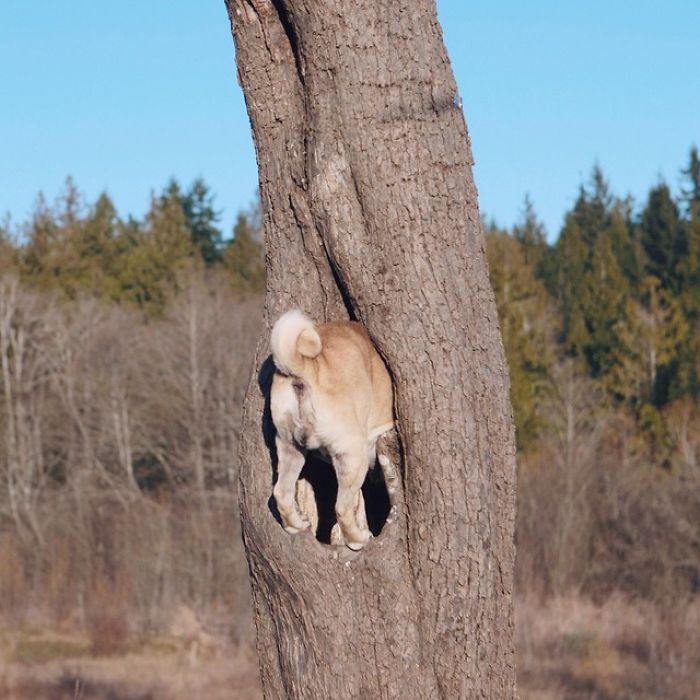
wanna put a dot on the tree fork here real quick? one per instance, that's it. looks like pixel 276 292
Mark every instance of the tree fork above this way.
pixel 370 212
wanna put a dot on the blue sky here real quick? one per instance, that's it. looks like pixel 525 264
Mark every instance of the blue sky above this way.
pixel 124 95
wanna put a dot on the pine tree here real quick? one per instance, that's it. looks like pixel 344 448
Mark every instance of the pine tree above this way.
pixel 244 257
pixel 72 247
pixel 662 237
pixel 571 261
pixel 604 303
pixel 201 218
pixel 531 235
pixel 691 194
pixel 689 267
pixel 521 302
pixel 572 255
pixel 85 251
pixel 593 207
pixel 50 257
pixel 69 266
pixel 97 246
pixel 40 234
pixel 156 254
pixel 595 264
pixel 626 247
pixel 687 377
pixel 649 340
pixel 8 250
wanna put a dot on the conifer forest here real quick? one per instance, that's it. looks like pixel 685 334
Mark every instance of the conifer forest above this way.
pixel 125 349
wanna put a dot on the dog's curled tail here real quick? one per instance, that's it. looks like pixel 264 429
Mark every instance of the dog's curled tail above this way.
pixel 294 341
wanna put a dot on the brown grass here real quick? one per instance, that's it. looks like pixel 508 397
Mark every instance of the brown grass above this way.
pixel 570 648
pixel 45 667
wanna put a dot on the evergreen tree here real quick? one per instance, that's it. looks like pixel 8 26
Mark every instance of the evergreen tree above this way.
pixel 691 194
pixel 604 303
pixel 647 350
pixel 71 204
pixel 99 230
pixel 40 234
pixel 157 253
pixel 8 252
pixel 201 217
pixel 662 237
pixel 626 247
pixel 593 207
pixel 687 377
pixel 51 257
pixel 84 251
pixel 689 266
pixel 574 248
pixel 97 246
pixel 594 260
pixel 245 258
pixel 521 302
pixel 571 261
pixel 167 234
pixel 72 248
pixel 68 265
pixel 531 235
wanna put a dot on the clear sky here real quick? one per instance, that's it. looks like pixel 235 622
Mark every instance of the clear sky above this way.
pixel 124 95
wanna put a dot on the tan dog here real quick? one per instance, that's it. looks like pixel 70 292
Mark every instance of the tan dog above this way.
pixel 331 393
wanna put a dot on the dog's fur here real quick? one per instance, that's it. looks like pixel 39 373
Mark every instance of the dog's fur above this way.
pixel 331 393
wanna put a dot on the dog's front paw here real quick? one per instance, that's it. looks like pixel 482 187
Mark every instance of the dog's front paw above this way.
pixel 358 542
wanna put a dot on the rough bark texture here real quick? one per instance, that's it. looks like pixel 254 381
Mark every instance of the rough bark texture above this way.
pixel 370 212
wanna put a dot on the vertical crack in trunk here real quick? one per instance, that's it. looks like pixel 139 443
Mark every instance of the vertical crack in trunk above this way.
pixel 348 301
pixel 284 18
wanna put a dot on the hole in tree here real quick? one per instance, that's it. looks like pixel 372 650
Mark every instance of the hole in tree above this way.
pixel 321 477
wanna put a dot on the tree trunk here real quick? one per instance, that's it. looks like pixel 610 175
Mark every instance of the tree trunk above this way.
pixel 370 212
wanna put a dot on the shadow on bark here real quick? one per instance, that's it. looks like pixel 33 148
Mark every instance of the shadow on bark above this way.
pixel 322 478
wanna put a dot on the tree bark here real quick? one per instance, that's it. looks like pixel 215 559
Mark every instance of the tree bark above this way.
pixel 370 212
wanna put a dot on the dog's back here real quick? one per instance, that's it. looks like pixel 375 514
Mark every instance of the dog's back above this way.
pixel 339 366
pixel 351 367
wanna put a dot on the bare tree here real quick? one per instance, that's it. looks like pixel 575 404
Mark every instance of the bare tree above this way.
pixel 102 508
pixel 555 513
pixel 370 212
pixel 24 360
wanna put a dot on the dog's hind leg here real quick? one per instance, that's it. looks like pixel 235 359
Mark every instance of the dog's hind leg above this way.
pixel 290 462
pixel 351 468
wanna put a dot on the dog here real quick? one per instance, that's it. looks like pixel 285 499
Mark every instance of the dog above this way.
pixel 331 392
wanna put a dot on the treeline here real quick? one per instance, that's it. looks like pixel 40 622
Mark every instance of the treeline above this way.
pixel 618 293
pixel 602 334
pixel 88 250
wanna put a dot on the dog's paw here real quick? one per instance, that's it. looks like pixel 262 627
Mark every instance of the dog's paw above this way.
pixel 298 527
pixel 359 542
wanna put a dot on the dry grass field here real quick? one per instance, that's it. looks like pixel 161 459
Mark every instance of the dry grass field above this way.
pixel 571 649
pixel 189 663
pixel 568 649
